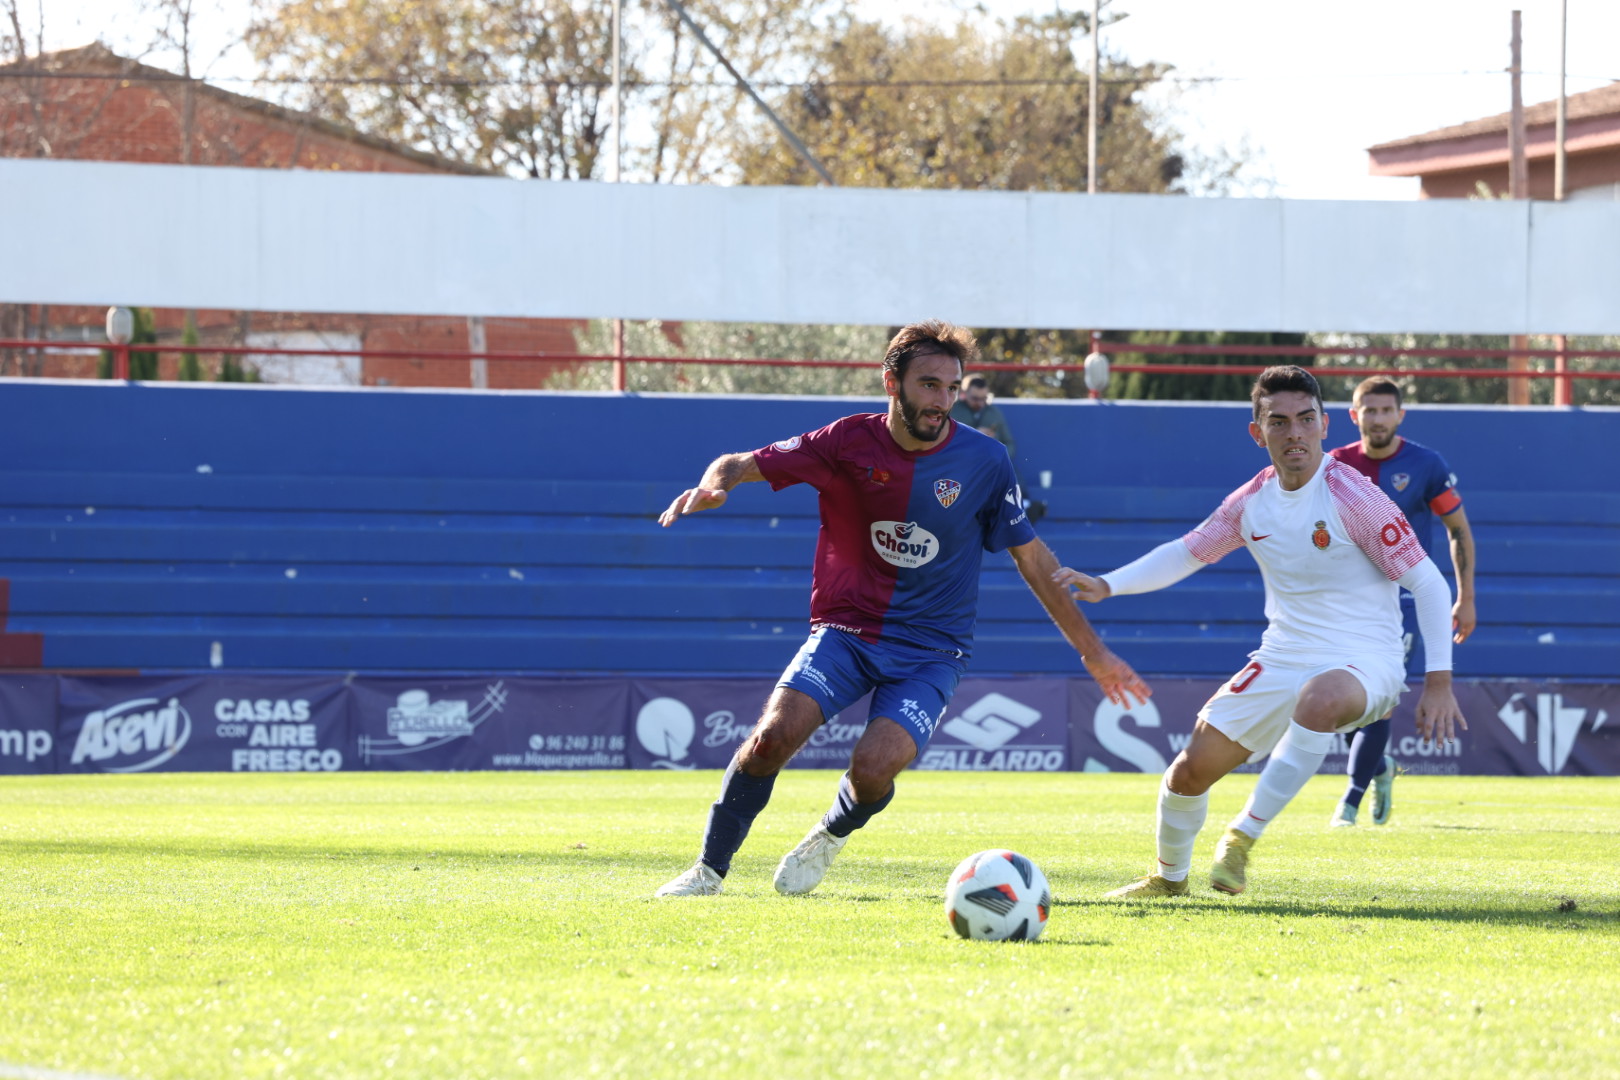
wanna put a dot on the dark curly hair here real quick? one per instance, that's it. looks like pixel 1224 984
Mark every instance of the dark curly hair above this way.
pixel 932 337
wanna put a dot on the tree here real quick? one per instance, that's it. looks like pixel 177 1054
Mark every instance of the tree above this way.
pixel 520 86
pixel 190 362
pixel 740 341
pixel 991 105
pixel 1167 387
pixel 1472 391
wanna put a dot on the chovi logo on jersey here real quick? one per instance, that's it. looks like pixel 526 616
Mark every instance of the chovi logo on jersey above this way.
pixel 904 543
pixel 133 736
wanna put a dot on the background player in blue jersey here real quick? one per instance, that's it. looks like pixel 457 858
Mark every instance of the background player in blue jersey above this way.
pixel 910 501
pixel 1424 487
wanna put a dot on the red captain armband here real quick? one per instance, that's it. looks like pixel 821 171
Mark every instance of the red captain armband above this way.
pixel 1445 502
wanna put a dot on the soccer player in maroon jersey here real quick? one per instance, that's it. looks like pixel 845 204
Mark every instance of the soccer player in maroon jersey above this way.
pixel 910 501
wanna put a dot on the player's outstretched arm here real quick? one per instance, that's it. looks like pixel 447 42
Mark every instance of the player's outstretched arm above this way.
pixel 1438 714
pixel 1118 681
pixel 724 473
pixel 1462 560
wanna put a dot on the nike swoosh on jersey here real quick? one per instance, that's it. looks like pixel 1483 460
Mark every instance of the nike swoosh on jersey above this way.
pixel 1261 537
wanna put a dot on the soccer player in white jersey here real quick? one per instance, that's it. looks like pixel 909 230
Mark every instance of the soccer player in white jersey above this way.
pixel 1333 550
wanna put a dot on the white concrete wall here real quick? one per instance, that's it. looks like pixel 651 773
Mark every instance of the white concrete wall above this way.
pixel 269 240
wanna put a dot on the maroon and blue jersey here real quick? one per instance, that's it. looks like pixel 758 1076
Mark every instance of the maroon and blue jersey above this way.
pixel 1416 478
pixel 903 532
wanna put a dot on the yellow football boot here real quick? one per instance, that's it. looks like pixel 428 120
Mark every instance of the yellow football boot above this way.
pixel 1231 860
pixel 1149 888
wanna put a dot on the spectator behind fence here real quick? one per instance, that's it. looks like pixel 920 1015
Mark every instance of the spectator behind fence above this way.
pixel 975 409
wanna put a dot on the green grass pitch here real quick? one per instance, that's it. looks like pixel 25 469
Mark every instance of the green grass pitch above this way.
pixel 500 925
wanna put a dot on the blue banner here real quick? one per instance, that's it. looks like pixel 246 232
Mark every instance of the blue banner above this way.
pixel 245 723
pixel 27 724
pixel 490 723
pixel 199 723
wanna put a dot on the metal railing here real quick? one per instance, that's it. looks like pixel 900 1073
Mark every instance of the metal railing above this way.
pixel 1560 373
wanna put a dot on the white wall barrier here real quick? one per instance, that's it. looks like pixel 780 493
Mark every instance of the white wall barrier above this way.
pixel 276 240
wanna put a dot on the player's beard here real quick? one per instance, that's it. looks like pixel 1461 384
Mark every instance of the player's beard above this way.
pixel 910 414
pixel 1379 440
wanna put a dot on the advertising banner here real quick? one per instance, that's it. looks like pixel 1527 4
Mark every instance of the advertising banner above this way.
pixel 221 723
pixel 231 723
pixel 1536 729
pixel 685 724
pixel 1003 725
pixel 490 723
pixel 27 724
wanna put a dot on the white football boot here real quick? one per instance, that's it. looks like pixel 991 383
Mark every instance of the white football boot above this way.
pixel 803 868
pixel 698 881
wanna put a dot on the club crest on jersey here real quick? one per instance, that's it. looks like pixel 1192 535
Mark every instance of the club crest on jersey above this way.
pixel 788 445
pixel 946 492
pixel 1320 537
pixel 1400 480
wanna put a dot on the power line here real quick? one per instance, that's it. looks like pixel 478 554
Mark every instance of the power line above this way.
pixel 710 84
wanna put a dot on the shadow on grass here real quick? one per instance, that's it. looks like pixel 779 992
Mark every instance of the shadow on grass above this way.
pixel 317 855
pixel 903 872
pixel 1351 911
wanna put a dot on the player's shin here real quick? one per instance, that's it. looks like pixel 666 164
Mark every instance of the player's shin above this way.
pixel 741 799
pixel 1366 759
pixel 1292 763
pixel 847 814
pixel 1180 817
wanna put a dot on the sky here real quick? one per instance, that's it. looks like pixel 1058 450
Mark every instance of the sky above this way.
pixel 1298 88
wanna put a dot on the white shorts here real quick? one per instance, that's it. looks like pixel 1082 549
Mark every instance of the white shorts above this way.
pixel 1254 707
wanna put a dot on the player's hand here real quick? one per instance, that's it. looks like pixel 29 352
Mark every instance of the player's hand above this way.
pixel 691 501
pixel 1438 715
pixel 1085 586
pixel 1462 619
pixel 1118 681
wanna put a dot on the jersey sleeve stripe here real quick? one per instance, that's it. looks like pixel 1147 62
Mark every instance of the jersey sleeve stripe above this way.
pixel 1222 532
pixel 1374 523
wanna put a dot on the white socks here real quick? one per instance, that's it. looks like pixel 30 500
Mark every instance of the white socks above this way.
pixel 1180 818
pixel 1295 760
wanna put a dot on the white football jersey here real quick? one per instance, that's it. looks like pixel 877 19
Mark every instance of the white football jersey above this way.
pixel 1330 554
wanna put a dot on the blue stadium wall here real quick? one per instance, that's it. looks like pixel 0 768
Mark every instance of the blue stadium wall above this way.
pixel 255 578
pixel 182 528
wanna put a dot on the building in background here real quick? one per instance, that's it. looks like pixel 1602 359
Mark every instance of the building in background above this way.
pixel 1453 162
pixel 90 104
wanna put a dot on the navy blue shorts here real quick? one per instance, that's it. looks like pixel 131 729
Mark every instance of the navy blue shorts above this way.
pixel 909 685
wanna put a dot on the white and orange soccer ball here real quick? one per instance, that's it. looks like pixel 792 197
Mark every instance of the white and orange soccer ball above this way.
pixel 997 896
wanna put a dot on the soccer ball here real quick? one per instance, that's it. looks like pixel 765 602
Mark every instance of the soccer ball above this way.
pixel 997 896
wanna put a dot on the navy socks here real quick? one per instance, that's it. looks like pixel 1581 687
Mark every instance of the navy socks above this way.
pixel 1366 758
pixel 847 815
pixel 742 797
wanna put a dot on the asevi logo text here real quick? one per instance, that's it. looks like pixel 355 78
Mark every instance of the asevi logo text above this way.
pixel 989 727
pixel 133 736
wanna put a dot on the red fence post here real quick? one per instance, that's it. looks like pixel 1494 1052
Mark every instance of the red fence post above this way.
pixel 1562 391
pixel 121 362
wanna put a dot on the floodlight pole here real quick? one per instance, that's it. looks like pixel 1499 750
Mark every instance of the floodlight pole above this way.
pixel 1563 103
pixel 1091 112
pixel 615 163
